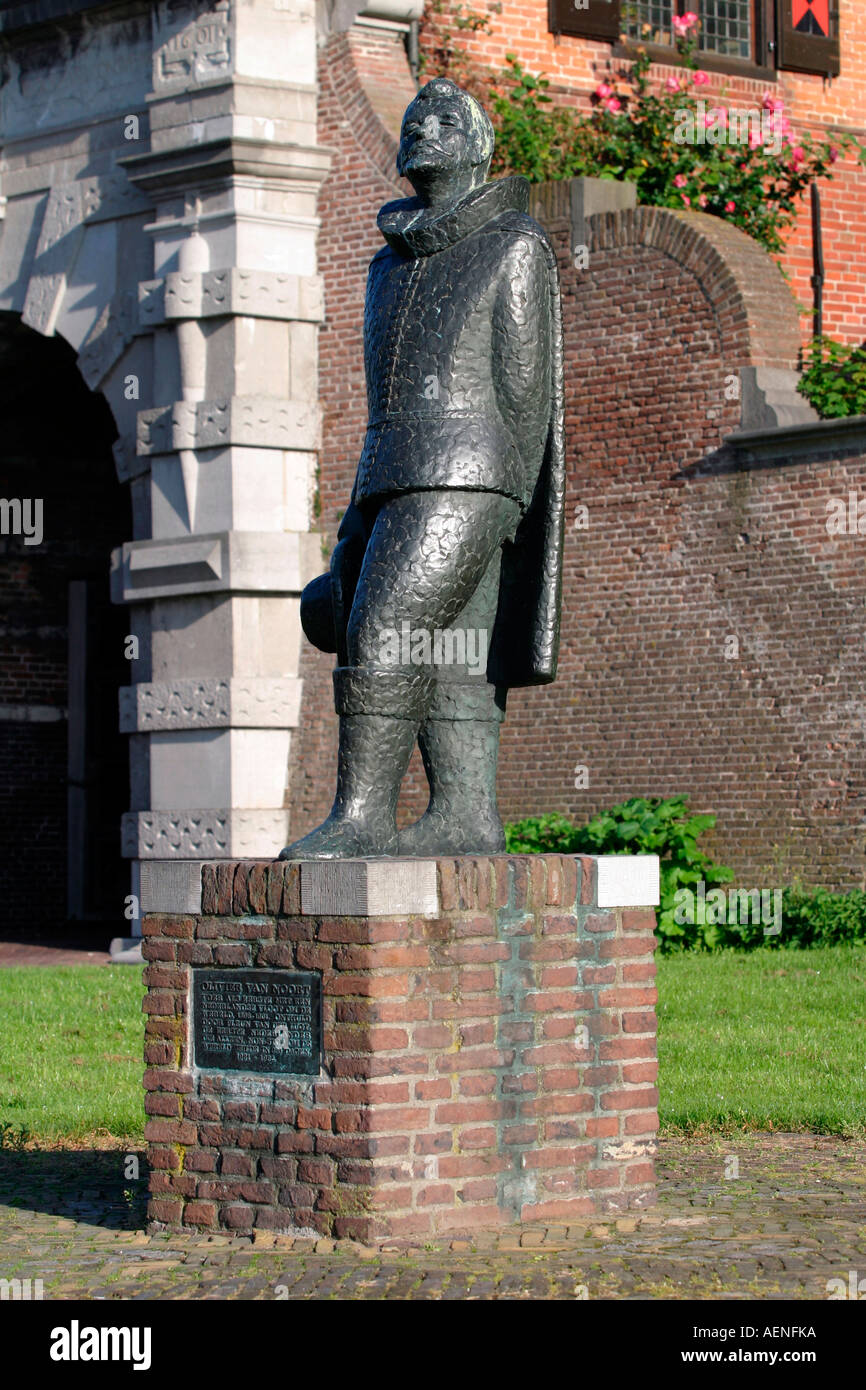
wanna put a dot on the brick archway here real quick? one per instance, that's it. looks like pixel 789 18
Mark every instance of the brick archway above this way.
pixel 753 307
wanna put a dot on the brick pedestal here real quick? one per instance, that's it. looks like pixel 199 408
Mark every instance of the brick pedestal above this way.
pixel 489 1046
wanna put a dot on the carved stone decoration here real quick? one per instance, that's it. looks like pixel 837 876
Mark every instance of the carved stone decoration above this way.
pixel 262 294
pixel 68 207
pixel 252 702
pixel 128 463
pixel 196 45
pixel 108 339
pixel 59 239
pixel 204 834
pixel 266 421
pixel 444 588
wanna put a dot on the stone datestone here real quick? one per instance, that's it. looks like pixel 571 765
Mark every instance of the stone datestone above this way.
pixel 488 1056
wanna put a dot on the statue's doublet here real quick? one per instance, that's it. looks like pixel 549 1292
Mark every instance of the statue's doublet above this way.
pixel 463 358
pixel 457 348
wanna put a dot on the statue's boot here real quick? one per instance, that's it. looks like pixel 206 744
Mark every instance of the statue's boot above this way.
pixel 460 758
pixel 374 752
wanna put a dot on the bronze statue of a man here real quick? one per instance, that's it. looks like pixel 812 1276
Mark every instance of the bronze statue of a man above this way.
pixel 444 587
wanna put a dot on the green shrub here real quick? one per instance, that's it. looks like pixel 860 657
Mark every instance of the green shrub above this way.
pixel 806 916
pixel 638 826
pixel 834 380
pixel 816 917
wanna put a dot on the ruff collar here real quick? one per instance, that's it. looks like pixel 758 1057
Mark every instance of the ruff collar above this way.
pixel 415 230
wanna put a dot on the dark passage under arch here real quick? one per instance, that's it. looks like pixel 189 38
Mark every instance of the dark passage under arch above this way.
pixel 64 780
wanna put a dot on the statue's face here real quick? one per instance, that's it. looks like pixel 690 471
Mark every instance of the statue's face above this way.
pixel 436 137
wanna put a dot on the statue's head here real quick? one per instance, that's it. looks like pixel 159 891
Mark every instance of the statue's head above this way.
pixel 446 141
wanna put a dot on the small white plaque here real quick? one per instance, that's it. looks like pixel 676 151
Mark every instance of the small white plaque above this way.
pixel 628 880
pixel 369 888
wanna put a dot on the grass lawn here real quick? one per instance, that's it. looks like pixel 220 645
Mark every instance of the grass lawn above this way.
pixel 71 1050
pixel 766 1039
pixel 763 1039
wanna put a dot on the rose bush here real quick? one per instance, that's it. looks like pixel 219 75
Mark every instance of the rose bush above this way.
pixel 636 132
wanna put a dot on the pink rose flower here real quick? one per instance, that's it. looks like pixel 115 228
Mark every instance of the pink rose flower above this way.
pixel 687 201
pixel 730 207
pixel 700 78
pixel 680 180
pixel 614 104
pixel 771 103
pixel 672 84
pixel 603 91
pixel 684 22
pixel 703 200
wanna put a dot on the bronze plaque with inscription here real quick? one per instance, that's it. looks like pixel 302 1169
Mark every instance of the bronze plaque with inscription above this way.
pixel 257 1020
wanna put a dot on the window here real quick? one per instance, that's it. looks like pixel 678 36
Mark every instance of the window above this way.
pixel 726 27
pixel 656 13
pixel 735 35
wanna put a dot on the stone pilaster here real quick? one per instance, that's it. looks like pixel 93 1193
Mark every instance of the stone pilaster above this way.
pixel 228 432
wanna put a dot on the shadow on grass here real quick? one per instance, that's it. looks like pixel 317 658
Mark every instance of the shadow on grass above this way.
pixel 82 1184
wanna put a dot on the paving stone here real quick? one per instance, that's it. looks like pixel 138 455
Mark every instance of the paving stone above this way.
pixel 63 1219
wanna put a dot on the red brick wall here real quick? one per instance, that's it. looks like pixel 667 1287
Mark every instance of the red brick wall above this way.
pixel 576 66
pixel 672 563
pixel 494 1063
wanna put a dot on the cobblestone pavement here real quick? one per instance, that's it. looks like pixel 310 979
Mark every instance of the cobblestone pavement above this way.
pixel 794 1217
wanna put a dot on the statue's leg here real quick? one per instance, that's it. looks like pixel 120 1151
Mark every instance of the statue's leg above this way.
pixel 459 742
pixel 427 554
pixel 380 712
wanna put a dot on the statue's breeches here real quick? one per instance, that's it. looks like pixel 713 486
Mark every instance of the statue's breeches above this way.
pixel 425 603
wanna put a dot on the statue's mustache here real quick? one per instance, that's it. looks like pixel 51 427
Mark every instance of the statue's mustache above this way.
pixel 428 141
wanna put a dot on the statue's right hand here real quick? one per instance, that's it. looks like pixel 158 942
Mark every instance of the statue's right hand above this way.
pixel 317 614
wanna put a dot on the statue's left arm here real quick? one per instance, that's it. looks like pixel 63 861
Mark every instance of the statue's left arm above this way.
pixel 522 349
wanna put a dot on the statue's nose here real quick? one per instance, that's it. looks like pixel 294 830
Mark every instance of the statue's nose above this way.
pixel 431 126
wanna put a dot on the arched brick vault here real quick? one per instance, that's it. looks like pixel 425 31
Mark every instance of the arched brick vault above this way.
pixel 754 311
pixel 672 307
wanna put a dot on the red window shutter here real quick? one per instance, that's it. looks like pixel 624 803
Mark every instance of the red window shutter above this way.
pixel 589 19
pixel 809 36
